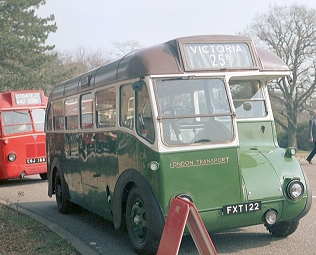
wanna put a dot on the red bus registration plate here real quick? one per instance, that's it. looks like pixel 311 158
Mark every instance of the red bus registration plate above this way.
pixel 241 208
pixel 35 160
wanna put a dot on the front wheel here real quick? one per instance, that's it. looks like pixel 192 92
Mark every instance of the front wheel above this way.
pixel 141 234
pixel 63 204
pixel 283 228
pixel 43 176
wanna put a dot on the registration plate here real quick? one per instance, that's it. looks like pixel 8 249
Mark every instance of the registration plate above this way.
pixel 241 208
pixel 35 160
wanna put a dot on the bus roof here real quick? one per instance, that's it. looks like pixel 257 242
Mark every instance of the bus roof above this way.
pixel 166 58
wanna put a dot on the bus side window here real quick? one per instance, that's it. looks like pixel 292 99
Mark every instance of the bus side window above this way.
pixel 49 117
pixel 58 115
pixel 248 98
pixel 145 125
pixel 106 108
pixel 71 113
pixel 86 111
pixel 127 106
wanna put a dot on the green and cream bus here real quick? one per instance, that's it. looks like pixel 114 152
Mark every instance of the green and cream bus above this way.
pixel 191 118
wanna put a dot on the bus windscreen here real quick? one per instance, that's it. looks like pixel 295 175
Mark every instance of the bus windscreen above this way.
pixel 16 121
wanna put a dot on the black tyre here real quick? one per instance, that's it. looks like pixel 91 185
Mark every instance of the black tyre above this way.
pixel 43 176
pixel 283 228
pixel 63 204
pixel 141 233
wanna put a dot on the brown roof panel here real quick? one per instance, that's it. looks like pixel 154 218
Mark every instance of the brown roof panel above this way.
pixel 161 59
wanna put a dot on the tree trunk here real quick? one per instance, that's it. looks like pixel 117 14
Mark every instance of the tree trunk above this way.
pixel 291 133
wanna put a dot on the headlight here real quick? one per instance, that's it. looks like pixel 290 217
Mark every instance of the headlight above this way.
pixel 186 197
pixel 295 189
pixel 12 157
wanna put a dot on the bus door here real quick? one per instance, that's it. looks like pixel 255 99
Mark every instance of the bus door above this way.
pixel 87 151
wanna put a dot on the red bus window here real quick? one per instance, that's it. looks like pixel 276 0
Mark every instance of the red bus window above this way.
pixel 16 122
pixel 38 119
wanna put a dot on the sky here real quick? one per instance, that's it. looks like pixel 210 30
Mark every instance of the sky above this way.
pixel 97 24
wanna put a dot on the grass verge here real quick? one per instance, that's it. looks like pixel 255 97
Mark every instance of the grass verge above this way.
pixel 20 234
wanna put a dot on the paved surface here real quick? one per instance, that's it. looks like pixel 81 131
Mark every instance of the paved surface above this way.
pixel 90 234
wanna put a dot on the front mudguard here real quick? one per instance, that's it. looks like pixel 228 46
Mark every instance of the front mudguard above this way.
pixel 308 199
pixel 124 183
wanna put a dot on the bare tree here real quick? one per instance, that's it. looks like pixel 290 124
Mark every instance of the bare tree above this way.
pixel 290 32
pixel 123 48
pixel 84 59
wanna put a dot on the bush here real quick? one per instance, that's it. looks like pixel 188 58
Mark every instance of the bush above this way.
pixel 302 138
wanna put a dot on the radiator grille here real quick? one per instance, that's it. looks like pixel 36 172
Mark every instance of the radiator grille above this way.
pixel 35 150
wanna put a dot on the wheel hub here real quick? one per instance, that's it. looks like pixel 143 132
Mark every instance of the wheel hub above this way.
pixel 138 220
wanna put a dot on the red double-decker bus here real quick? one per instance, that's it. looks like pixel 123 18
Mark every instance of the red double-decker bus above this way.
pixel 22 137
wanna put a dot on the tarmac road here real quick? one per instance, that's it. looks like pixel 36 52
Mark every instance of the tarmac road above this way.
pixel 90 234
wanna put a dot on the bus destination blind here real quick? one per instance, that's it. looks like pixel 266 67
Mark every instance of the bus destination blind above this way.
pixel 203 56
pixel 27 98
